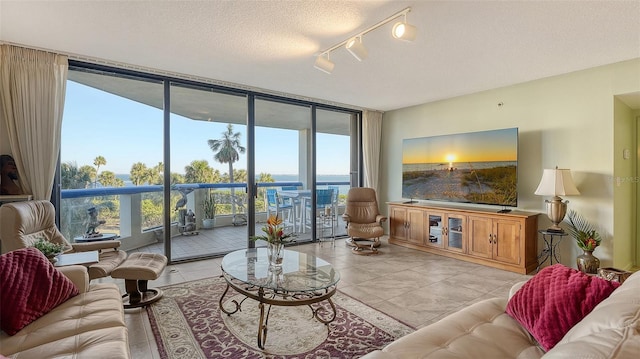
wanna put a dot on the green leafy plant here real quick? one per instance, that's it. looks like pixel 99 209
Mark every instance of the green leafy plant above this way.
pixel 585 234
pixel 209 206
pixel 47 248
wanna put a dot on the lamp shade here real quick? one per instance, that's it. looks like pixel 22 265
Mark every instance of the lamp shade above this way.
pixel 557 182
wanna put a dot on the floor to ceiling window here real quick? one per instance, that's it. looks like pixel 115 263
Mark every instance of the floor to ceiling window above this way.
pixel 208 167
pixel 166 162
pixel 111 157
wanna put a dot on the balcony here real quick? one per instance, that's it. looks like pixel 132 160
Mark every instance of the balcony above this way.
pixel 136 215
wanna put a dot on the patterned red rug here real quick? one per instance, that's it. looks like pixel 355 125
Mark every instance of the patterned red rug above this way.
pixel 187 323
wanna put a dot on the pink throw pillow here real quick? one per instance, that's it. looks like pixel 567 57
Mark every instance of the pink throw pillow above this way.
pixel 30 286
pixel 554 300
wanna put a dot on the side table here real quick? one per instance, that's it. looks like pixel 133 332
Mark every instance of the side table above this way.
pixel 550 247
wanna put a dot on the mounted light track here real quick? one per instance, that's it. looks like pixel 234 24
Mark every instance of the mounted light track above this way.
pixel 401 30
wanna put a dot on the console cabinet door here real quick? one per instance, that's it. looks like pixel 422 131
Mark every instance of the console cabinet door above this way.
pixel 506 242
pixel 415 228
pixel 455 239
pixel 398 223
pixel 434 236
pixel 480 237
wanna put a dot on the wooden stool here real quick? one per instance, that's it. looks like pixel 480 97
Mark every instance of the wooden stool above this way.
pixel 137 270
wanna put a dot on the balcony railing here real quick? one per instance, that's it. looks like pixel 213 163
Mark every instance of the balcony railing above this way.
pixel 135 213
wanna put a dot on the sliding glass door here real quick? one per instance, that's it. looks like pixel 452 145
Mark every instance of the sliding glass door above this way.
pixel 208 171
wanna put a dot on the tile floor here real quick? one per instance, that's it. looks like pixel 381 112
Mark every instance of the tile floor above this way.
pixel 415 287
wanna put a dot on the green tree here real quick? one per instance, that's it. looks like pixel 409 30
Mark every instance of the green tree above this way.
pixel 71 177
pixel 98 161
pixel 177 178
pixel 156 174
pixel 109 179
pixel 198 171
pixel 139 173
pixel 228 150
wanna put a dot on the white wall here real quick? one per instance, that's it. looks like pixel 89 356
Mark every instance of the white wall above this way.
pixel 565 121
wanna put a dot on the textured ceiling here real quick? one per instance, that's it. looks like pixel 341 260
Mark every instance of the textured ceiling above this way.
pixel 462 46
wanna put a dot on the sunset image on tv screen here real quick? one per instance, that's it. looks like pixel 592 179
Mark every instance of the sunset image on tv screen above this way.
pixel 476 167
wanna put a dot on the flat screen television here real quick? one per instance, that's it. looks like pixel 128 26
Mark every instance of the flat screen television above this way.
pixel 475 167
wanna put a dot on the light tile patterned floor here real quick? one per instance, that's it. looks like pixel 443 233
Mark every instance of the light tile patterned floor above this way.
pixel 415 287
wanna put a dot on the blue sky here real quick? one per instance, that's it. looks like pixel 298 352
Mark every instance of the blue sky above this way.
pixel 124 132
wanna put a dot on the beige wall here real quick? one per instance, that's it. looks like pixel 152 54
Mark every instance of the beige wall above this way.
pixel 565 121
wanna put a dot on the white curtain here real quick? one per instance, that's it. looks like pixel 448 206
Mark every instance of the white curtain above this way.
pixel 32 90
pixel 371 134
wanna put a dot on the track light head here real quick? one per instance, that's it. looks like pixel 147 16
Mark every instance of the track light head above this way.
pixel 324 64
pixel 404 31
pixel 357 49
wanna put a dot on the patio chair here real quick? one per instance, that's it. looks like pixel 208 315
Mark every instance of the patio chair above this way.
pixel 24 223
pixel 363 219
pixel 275 206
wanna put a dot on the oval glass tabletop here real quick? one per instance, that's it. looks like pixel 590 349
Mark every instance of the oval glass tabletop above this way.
pixel 301 272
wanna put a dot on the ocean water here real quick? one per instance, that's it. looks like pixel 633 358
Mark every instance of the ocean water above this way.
pixel 459 165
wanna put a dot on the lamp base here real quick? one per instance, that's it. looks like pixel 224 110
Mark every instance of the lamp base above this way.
pixel 556 209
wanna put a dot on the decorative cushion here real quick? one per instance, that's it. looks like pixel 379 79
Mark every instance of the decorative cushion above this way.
pixel 30 286
pixel 554 300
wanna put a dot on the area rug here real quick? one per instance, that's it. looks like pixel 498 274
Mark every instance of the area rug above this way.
pixel 188 323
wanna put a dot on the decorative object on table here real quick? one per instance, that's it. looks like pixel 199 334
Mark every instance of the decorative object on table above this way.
pixel 556 182
pixel 92 223
pixel 8 176
pixel 614 274
pixel 187 320
pixel 209 210
pixel 276 239
pixel 587 239
pixel 49 249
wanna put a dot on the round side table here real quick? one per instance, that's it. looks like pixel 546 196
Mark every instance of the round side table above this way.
pixel 551 241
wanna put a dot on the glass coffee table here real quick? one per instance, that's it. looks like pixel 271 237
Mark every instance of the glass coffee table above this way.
pixel 303 279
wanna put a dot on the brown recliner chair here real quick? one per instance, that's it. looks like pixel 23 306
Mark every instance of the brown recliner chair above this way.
pixel 24 223
pixel 364 221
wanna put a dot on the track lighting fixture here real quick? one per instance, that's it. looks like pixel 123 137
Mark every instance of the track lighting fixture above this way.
pixel 357 49
pixel 401 30
pixel 324 64
pixel 404 31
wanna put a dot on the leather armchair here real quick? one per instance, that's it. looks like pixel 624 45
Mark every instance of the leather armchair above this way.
pixel 24 223
pixel 363 219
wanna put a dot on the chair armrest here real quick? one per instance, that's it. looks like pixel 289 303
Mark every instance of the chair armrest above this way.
pixel 78 275
pixel 95 246
pixel 380 218
pixel 516 287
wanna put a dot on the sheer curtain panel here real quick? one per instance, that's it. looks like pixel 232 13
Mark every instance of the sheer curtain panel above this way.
pixel 371 134
pixel 32 90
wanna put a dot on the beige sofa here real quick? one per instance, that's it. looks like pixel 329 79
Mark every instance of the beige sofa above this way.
pixel 89 325
pixel 484 330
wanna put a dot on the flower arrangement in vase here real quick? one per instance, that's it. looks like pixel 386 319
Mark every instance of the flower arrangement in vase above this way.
pixel 587 238
pixel 275 238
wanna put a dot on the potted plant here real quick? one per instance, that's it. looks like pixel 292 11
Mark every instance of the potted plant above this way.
pixel 588 239
pixel 49 249
pixel 209 210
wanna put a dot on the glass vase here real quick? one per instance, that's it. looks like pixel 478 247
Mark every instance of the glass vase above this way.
pixel 275 253
pixel 588 263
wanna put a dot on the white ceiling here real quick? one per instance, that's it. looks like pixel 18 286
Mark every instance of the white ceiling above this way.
pixel 462 46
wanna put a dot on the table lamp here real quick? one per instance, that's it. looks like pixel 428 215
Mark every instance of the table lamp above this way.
pixel 556 182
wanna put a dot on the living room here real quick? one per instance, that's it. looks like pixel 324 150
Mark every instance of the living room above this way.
pixel 584 119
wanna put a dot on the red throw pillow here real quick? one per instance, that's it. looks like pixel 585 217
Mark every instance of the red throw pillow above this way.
pixel 30 286
pixel 554 300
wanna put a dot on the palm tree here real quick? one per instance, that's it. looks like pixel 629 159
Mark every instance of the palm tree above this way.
pixel 98 161
pixel 198 171
pixel 228 150
pixel 71 177
pixel 139 173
